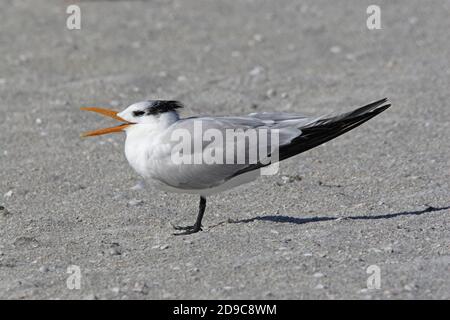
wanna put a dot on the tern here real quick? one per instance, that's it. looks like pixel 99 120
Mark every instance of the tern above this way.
pixel 149 146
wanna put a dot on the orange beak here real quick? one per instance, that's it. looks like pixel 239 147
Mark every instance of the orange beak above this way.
pixel 108 113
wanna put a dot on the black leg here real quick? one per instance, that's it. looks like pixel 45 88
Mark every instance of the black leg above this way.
pixel 198 223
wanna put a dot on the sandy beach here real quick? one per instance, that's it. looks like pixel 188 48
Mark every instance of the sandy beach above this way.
pixel 377 196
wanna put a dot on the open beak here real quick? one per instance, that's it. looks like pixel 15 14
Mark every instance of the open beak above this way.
pixel 108 113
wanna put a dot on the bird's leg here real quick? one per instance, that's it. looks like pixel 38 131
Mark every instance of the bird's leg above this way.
pixel 198 223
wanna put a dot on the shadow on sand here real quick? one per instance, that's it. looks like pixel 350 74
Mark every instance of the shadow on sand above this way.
pixel 294 220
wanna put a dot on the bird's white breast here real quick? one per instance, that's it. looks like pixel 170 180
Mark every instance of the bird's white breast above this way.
pixel 144 150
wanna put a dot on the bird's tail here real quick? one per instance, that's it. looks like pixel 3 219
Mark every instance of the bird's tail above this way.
pixel 326 129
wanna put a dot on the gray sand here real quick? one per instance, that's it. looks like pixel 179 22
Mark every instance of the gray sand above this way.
pixel 364 199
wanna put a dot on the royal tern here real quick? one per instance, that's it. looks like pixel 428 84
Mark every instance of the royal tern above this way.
pixel 150 147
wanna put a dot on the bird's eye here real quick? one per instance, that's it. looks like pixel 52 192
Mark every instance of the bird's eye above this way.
pixel 138 113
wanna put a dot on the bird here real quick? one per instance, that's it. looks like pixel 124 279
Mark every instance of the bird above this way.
pixel 150 147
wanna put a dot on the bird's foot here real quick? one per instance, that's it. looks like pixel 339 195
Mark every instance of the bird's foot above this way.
pixel 176 227
pixel 186 229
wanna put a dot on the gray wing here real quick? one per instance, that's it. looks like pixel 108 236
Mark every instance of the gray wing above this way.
pixel 206 175
pixel 276 117
pixel 296 134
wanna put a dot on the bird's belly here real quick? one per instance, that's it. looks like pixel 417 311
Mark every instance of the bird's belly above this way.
pixel 156 183
pixel 153 163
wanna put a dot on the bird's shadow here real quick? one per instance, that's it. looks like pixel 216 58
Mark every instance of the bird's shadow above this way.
pixel 294 220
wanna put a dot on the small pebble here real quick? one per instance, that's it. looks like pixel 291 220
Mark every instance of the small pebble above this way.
pixel 43 269
pixel 271 93
pixel 115 290
pixel 8 194
pixel 38 121
pixel 318 275
pixel 181 78
pixel 319 287
pixel 140 287
pixel 304 8
pixel 258 38
pixel 114 103
pixel 335 49
pixel 24 57
pixel 139 186
pixel 115 250
pixel 26 242
pixel 289 179
pixel 388 249
pixel 195 270
pixel 4 212
pixel 135 202
pixel 256 71
pixel 413 20
pixel 350 56
pixel 164 247
pixel 235 54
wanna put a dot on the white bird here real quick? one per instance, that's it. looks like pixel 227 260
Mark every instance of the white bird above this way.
pixel 150 146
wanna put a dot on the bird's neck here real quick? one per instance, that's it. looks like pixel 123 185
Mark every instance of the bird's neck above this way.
pixel 142 142
pixel 167 119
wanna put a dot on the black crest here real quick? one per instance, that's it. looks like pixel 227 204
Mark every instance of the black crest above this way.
pixel 162 106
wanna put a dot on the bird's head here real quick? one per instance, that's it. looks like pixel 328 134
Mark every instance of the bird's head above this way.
pixel 145 112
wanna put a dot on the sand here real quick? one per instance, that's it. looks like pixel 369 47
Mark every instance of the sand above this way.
pixel 378 196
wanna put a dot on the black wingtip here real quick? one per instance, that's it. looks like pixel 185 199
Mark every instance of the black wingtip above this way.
pixel 371 108
pixel 375 104
pixel 381 103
